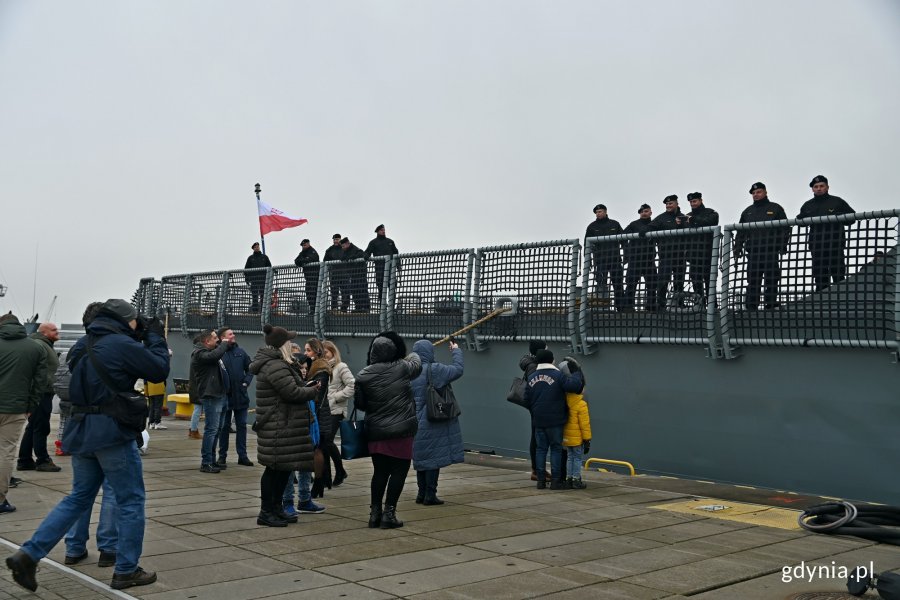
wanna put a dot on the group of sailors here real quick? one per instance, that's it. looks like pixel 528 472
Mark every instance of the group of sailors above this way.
pixel 763 248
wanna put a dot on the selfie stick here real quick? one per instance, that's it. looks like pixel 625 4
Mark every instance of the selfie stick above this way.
pixel 487 317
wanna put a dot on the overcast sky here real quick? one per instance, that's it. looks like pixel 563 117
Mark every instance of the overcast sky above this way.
pixel 132 133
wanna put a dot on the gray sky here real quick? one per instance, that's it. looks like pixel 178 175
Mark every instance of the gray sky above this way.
pixel 133 132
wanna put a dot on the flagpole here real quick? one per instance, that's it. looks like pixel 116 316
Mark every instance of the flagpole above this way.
pixel 262 238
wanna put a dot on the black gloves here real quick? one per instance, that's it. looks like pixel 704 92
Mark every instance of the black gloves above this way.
pixel 586 446
pixel 154 325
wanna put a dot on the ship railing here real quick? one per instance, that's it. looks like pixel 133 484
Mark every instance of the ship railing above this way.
pixel 821 281
pixel 555 294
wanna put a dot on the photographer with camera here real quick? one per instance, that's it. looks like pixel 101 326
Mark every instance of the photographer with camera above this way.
pixel 105 364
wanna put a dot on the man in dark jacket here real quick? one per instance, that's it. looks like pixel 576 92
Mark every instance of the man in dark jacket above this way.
pixel 100 447
pixel 640 255
pixel 23 371
pixel 546 394
pixel 672 265
pixel 380 245
pixel 699 247
pixel 763 247
pixel 209 387
pixel 256 279
pixel 355 282
pixel 335 271
pixel 308 260
pixel 237 366
pixel 826 241
pixel 606 257
pixel 34 440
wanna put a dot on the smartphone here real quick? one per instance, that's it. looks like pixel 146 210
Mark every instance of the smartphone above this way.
pixel 312 383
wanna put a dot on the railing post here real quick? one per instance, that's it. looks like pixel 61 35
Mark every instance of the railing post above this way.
pixel 475 343
pixel 724 316
pixel 712 333
pixel 265 309
pixel 573 297
pixel 185 302
pixel 896 292
pixel 583 312
pixel 468 295
pixel 222 303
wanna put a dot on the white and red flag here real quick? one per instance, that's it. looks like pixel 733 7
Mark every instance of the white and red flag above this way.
pixel 271 219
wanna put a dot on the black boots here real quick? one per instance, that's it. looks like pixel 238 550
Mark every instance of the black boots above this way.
pixel 23 570
pixel 432 501
pixel 389 518
pixel 270 519
pixel 127 580
pixel 375 516
pixel 557 484
pixel 339 478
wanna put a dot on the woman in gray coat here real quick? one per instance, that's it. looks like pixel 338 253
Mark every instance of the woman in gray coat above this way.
pixel 437 444
pixel 283 422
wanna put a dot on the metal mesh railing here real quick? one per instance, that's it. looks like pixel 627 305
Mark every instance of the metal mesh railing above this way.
pixel 350 301
pixel 171 297
pixel 822 281
pixel 236 311
pixel 657 287
pixel 146 297
pixel 204 294
pixel 293 297
pixel 537 281
pixel 429 293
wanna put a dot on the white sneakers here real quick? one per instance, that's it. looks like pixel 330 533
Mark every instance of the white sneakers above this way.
pixel 156 426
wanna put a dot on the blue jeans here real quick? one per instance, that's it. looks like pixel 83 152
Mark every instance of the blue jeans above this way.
pixel 107 534
pixel 213 409
pixel 121 465
pixel 548 438
pixel 240 438
pixel 574 461
pixel 304 487
pixel 195 417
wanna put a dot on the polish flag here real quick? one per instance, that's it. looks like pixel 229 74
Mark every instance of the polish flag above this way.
pixel 271 219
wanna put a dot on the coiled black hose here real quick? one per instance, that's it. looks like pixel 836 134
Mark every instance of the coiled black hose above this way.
pixel 876 523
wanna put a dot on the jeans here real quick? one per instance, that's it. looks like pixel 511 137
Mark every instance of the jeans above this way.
pixel 240 438
pixel 195 417
pixel 549 438
pixel 107 534
pixel 213 409
pixel 36 432
pixel 121 465
pixel 304 485
pixel 574 461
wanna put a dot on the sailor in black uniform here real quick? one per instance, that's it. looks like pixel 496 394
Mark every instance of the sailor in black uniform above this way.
pixel 826 241
pixel 763 247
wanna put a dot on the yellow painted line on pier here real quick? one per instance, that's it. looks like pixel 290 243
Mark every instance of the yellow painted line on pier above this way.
pixel 753 514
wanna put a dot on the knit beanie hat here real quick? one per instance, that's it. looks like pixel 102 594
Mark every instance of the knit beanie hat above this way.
pixel 535 345
pixel 277 336
pixel 119 309
pixel 544 356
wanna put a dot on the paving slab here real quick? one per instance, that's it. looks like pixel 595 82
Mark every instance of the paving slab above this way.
pixel 496 537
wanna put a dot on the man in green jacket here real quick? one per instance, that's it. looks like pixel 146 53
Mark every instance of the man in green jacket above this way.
pixel 23 372
pixel 33 455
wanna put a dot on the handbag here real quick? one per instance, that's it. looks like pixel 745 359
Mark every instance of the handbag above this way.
pixel 129 409
pixel 516 393
pixel 354 443
pixel 440 404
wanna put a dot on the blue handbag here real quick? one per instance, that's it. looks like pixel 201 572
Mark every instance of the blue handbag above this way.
pixel 353 438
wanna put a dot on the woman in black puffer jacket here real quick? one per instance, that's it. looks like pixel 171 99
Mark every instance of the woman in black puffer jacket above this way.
pixel 383 391
pixel 284 443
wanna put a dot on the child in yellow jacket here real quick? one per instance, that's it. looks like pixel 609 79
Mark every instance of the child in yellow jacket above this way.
pixel 577 432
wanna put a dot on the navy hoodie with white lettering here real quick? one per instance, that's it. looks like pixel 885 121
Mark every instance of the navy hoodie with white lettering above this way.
pixel 546 395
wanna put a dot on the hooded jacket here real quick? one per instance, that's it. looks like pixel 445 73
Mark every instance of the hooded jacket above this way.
pixel 546 394
pixel 437 444
pixel 283 441
pixel 23 369
pixel 578 427
pixel 237 366
pixel 125 360
pixel 383 389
